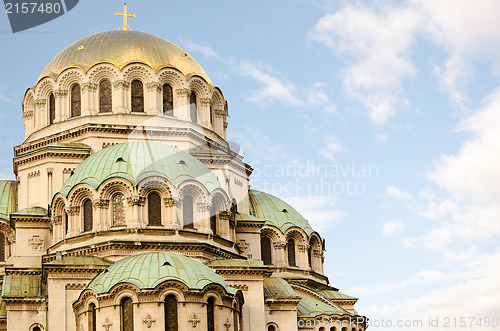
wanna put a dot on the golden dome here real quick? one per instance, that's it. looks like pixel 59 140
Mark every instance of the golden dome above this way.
pixel 121 48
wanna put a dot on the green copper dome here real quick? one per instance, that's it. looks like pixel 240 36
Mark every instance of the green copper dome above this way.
pixel 149 270
pixel 8 194
pixel 136 161
pixel 276 212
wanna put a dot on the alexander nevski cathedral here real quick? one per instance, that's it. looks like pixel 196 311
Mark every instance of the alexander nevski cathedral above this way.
pixel 130 211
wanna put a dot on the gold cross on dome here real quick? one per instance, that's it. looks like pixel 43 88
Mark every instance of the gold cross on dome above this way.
pixel 124 27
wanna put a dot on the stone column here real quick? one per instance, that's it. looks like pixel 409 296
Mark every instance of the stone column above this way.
pixel 181 109
pixel 40 114
pixel 152 100
pixel 137 202
pixel 202 221
pixel 61 97
pixel 88 99
pixel 204 111
pixel 279 254
pixel 120 97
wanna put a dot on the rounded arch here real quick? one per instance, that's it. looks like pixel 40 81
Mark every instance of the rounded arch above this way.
pixel 217 99
pixel 102 71
pixel 122 290
pixel 272 326
pixel 297 234
pixel 44 88
pixel 36 327
pixel 173 77
pixel 154 184
pixel 137 71
pixel 113 186
pixel 70 77
pixel 79 193
pixel 198 85
pixel 272 233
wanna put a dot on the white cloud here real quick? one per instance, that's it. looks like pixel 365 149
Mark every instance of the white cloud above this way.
pixel 273 88
pixel 379 44
pixel 394 192
pixel 428 276
pixel 331 148
pixel 393 228
pixel 204 50
pixel 321 211
pixel 378 41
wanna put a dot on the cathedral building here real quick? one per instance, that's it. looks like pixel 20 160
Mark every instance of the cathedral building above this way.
pixel 130 211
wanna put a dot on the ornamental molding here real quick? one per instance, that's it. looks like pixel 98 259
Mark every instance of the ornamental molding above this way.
pixel 136 201
pixel 40 102
pixel 227 324
pixel 279 244
pixel 121 84
pixel 183 92
pixel 153 87
pixel 242 245
pixel 61 93
pixel 89 87
pixel 169 202
pixel 203 206
pixel 205 102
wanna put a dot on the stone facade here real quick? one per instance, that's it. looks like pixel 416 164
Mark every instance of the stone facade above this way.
pixel 65 225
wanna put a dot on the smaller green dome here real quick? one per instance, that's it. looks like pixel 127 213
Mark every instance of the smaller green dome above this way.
pixel 276 212
pixel 8 198
pixel 136 161
pixel 149 270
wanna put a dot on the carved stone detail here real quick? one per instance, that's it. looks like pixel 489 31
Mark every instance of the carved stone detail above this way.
pixel 242 245
pixel 280 244
pixel 121 84
pixel 148 320
pixel 203 206
pixel 153 87
pixel 194 320
pixel 169 202
pixel 107 324
pixel 227 324
pixel 36 242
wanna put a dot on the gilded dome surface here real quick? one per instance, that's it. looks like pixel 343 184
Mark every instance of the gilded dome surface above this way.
pixel 121 48
pixel 149 270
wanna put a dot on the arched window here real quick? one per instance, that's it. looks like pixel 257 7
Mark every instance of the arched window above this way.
pixel 137 96
pixel 36 328
pixel 154 209
pixel 76 101
pixel 66 222
pixel 333 328
pixel 127 314
pixel 52 108
pixel 171 322
pixel 193 107
pixel 168 100
pixel 265 251
pixel 92 323
pixel 2 247
pixel 211 314
pixel 236 317
pixel 88 216
pixel 187 212
pixel 211 116
pixel 271 328
pixel 290 247
pixel 118 210
pixel 309 256
pixel 213 219
pixel 105 96
pixel 322 328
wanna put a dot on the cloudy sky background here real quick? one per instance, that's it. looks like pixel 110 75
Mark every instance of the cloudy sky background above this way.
pixel 378 120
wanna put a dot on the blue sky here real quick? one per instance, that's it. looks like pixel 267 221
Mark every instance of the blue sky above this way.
pixel 377 120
